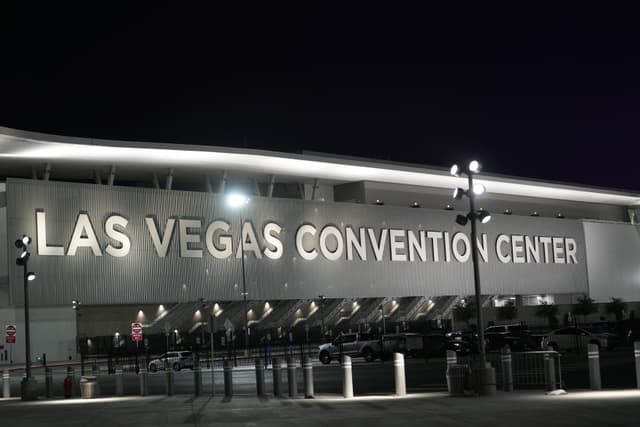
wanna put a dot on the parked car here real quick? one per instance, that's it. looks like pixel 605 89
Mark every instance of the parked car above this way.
pixel 461 342
pixel 409 344
pixel 350 344
pixel 572 337
pixel 175 360
pixel 517 337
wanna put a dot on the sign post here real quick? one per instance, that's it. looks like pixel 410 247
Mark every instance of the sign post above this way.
pixel 10 334
pixel 136 332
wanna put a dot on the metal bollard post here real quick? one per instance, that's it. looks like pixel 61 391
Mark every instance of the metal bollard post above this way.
pixel 48 382
pixel 277 376
pixel 549 371
pixel 259 376
pixel 142 376
pixel 398 374
pixel 347 377
pixel 291 377
pixel 169 382
pixel 6 385
pixel 636 354
pixel 197 381
pixel 228 378
pixel 307 366
pixel 119 384
pixel 507 369
pixel 72 374
pixel 452 358
pixel 593 355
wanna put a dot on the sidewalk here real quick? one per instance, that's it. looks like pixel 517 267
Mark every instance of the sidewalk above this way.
pixel 526 409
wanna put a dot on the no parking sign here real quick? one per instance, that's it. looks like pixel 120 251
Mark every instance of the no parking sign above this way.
pixel 10 334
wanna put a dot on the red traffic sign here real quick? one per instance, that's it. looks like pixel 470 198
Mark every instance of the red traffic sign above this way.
pixel 136 331
pixel 10 334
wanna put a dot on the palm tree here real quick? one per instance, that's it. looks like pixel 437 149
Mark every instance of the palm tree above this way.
pixel 549 312
pixel 585 306
pixel 617 307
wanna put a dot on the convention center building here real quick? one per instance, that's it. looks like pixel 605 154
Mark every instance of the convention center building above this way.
pixel 175 237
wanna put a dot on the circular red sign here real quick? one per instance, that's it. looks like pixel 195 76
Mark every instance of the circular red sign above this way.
pixel 10 330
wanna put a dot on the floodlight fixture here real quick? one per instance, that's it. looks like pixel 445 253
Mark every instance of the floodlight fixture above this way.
pixel 236 200
pixel 478 189
pixel 462 220
pixel 474 166
pixel 455 170
pixel 415 204
pixel 31 276
pixel 458 193
pixel 484 216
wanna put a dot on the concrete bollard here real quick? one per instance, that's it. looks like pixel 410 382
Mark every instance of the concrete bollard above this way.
pixel 452 358
pixel 259 376
pixel 507 369
pixel 228 378
pixel 636 354
pixel 593 354
pixel 48 382
pixel 6 384
pixel 144 385
pixel 277 377
pixel 549 370
pixel 197 381
pixel 119 383
pixel 398 374
pixel 307 367
pixel 291 377
pixel 169 382
pixel 72 374
pixel 347 377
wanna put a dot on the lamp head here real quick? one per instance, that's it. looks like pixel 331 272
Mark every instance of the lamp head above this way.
pixel 484 216
pixel 458 193
pixel 455 170
pixel 236 200
pixel 475 166
pixel 478 189
pixel 31 276
pixel 462 220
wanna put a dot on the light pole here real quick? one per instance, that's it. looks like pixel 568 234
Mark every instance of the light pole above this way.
pixel 211 307
pixel 322 302
pixel 384 325
pixel 75 305
pixel 239 201
pixel 28 385
pixel 473 190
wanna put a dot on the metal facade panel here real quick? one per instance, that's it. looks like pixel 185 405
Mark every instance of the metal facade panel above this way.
pixel 613 252
pixel 143 277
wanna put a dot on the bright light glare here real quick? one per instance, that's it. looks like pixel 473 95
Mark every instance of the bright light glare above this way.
pixel 31 276
pixel 485 217
pixel 474 166
pixel 26 239
pixel 236 200
pixel 455 170
pixel 478 189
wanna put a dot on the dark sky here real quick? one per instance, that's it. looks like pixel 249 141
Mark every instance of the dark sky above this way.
pixel 533 91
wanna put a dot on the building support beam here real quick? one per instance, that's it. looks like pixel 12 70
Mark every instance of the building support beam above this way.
pixel 169 182
pixel 223 183
pixel 47 172
pixel 207 183
pixel 272 183
pixel 34 173
pixel 97 176
pixel 156 181
pixel 256 187
pixel 314 188
pixel 112 176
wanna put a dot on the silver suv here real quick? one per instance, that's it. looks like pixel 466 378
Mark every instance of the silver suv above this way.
pixel 175 360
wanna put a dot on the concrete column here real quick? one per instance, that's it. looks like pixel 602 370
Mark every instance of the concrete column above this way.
pixel 593 355
pixel 228 378
pixel 276 369
pixel 169 382
pixel 347 377
pixel 484 380
pixel 307 367
pixel 142 377
pixel 636 353
pixel 169 182
pixel 550 370
pixel 291 377
pixel 259 376
pixel 47 172
pixel 398 374
pixel 507 369
pixel 119 383
pixel 272 182
pixel 112 176
pixel 452 358
pixel 48 382
pixel 197 381
pixel 6 384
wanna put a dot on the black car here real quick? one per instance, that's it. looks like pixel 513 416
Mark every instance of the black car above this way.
pixel 517 337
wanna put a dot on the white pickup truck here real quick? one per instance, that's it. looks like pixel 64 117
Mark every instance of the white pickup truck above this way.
pixel 350 344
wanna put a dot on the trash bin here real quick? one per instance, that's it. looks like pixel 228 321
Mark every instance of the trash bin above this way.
pixel 457 376
pixel 89 388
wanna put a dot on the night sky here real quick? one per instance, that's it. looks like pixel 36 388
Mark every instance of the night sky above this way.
pixel 535 91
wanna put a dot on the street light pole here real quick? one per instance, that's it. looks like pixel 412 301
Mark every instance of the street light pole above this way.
pixel 244 289
pixel 28 385
pixel 476 273
pixel 322 301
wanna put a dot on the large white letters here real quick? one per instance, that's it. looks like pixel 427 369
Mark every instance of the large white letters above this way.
pixel 41 236
pixel 118 236
pixel 84 237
